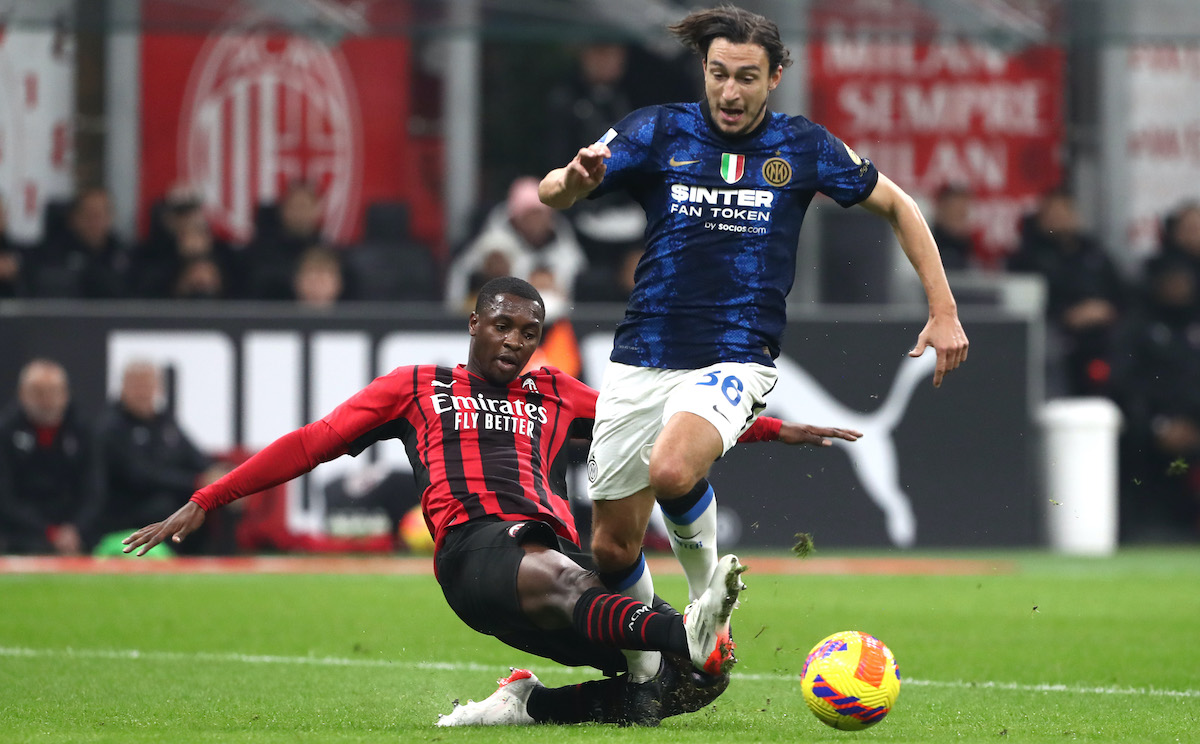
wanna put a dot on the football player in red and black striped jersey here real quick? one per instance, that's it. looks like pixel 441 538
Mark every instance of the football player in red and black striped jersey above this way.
pixel 488 446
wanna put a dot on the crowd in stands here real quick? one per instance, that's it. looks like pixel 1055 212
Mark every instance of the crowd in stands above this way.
pixel 1134 338
pixel 70 486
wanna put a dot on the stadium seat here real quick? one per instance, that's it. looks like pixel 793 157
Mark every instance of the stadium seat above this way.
pixel 386 222
pixel 387 271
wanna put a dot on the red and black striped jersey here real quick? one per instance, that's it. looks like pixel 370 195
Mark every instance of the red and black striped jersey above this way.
pixel 477 449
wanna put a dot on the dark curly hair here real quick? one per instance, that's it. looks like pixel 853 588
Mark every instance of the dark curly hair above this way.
pixel 736 25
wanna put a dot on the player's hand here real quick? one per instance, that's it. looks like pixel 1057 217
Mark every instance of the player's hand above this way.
pixel 586 170
pixel 947 337
pixel 818 436
pixel 186 520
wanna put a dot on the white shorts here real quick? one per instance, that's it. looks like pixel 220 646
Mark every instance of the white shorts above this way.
pixel 636 402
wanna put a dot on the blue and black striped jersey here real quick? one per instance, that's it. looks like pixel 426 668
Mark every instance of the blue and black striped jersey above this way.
pixel 723 224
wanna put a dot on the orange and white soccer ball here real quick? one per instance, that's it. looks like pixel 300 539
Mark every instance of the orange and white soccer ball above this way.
pixel 850 680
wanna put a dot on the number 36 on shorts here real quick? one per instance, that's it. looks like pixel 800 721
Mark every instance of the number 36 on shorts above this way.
pixel 731 387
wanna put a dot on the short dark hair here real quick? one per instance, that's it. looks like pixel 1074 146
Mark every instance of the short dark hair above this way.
pixel 738 26
pixel 509 285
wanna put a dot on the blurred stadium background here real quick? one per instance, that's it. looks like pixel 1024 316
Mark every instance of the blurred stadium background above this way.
pixel 411 118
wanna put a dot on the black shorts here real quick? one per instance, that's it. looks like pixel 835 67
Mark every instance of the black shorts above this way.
pixel 477 569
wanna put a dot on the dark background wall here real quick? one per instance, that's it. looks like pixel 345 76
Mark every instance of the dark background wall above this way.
pixel 962 457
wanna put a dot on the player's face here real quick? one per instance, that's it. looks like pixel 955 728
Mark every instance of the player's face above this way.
pixel 503 337
pixel 737 81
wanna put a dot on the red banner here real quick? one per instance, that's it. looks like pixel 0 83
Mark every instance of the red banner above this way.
pixel 240 111
pixel 933 113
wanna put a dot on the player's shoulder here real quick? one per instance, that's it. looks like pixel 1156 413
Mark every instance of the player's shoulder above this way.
pixel 796 127
pixel 546 371
pixel 642 124
pixel 555 375
pixel 409 374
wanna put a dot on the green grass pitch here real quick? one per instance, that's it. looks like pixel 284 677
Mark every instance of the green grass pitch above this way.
pixel 1053 650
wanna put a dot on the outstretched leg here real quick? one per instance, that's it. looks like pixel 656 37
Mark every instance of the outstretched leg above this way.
pixel 521 699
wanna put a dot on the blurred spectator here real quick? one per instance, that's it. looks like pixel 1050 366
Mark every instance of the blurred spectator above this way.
pixel 952 228
pixel 86 260
pixel 585 104
pixel 1085 293
pixel 51 485
pixel 522 232
pixel 319 280
pixel 559 346
pixel 1181 235
pixel 609 283
pixel 11 256
pixel 272 256
pixel 182 236
pixel 199 278
pixel 580 109
pixel 1155 372
pixel 152 465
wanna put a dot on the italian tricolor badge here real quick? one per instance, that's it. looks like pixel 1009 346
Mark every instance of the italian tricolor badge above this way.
pixel 732 167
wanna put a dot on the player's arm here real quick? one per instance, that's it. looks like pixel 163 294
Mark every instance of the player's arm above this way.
pixel 564 186
pixel 288 457
pixel 771 429
pixel 943 331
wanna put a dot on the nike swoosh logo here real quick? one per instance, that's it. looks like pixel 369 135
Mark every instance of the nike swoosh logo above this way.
pixel 676 163
pixel 718 410
pixel 686 537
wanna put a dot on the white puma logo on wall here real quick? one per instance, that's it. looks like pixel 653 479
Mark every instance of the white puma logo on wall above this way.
pixel 799 397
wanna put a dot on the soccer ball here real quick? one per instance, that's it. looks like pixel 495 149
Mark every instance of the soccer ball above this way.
pixel 850 680
pixel 413 532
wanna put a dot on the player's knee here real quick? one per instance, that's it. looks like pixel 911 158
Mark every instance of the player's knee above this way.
pixel 549 586
pixel 671 478
pixel 614 552
pixel 574 581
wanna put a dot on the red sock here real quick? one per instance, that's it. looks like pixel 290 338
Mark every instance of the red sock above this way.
pixel 623 622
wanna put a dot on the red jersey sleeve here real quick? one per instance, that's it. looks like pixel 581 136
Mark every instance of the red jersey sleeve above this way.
pixel 291 455
pixel 386 399
pixel 298 452
pixel 764 429
pixel 578 395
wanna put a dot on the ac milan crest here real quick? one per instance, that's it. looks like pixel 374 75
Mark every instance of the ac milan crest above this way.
pixel 263 109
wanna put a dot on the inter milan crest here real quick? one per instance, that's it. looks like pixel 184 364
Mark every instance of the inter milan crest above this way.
pixel 777 172
pixel 733 167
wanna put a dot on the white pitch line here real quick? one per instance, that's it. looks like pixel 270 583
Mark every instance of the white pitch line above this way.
pixel 468 666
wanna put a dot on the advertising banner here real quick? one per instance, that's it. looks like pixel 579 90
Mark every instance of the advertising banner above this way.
pixel 1162 140
pixel 932 112
pixel 954 466
pixel 238 104
pixel 37 113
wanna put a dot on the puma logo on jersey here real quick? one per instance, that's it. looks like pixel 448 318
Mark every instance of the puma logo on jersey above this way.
pixel 439 383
